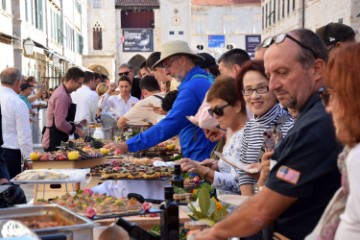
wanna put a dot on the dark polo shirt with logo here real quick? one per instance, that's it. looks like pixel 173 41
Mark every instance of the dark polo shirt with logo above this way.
pixel 306 169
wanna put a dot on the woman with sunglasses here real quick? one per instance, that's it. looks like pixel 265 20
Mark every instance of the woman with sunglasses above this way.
pixel 342 99
pixel 230 112
pixel 44 99
pixel 252 85
pixel 44 95
pixel 119 104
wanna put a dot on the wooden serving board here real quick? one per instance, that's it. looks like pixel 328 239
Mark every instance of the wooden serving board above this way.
pixel 84 163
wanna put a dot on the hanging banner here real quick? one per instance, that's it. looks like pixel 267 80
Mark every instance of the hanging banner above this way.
pixel 251 41
pixel 138 40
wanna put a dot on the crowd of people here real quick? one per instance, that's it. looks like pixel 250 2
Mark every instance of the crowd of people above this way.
pixel 286 114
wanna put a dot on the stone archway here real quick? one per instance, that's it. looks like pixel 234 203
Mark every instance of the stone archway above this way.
pixel 99 69
pixel 136 61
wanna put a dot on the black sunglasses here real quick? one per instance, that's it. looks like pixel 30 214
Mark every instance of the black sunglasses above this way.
pixel 280 38
pixel 219 111
pixel 325 95
pixel 124 73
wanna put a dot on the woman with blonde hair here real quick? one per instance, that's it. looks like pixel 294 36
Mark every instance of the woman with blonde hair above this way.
pixel 101 89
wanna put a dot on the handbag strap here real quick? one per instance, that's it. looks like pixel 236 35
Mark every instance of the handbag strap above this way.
pixel 159 97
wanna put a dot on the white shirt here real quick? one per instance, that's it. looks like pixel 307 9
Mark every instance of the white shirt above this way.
pixel 118 107
pixel 140 112
pixel 86 101
pixel 15 122
pixel 349 227
pixel 103 103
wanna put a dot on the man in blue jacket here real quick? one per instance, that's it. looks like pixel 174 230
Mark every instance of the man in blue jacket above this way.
pixel 179 62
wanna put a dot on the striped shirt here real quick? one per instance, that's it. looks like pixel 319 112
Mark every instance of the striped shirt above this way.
pixel 253 138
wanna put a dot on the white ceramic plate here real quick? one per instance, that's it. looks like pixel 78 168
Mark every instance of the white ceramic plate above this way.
pixel 240 165
pixel 231 199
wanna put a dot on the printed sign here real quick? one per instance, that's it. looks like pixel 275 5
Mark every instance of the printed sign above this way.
pixel 251 41
pixel 138 40
pixel 216 41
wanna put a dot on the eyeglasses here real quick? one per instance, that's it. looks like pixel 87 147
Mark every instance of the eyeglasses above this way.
pixel 280 38
pixel 219 111
pixel 325 95
pixel 124 73
pixel 168 65
pixel 259 90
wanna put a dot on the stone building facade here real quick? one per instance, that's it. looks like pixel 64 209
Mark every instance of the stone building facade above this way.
pixel 56 29
pixel 283 15
pixel 101 19
pixel 135 28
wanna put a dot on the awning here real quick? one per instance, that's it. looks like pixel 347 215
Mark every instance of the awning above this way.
pixel 139 4
pixel 40 46
pixel 7 38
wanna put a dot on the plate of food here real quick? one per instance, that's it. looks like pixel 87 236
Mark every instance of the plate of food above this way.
pixel 232 199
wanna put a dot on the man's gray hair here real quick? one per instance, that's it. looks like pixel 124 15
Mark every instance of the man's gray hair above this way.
pixel 126 65
pixel 312 41
pixel 10 76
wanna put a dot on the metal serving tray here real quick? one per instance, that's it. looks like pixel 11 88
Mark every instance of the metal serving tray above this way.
pixel 75 175
pixel 52 212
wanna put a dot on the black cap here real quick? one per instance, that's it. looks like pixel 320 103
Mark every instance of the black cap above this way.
pixel 153 58
pixel 208 60
pixel 335 32
pixel 24 86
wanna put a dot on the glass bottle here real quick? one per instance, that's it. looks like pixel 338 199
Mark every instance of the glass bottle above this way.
pixel 170 216
pixel 177 179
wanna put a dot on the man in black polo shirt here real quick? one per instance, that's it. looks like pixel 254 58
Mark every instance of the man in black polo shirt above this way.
pixel 305 176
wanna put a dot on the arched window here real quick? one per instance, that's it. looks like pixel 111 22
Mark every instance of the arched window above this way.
pixel 97 37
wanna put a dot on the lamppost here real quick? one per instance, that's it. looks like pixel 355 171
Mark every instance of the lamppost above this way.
pixel 29 46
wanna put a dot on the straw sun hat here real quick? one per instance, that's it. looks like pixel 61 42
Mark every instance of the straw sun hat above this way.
pixel 175 47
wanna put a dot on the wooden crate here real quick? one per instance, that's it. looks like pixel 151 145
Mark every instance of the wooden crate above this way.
pixel 46 191
pixel 50 191
pixel 95 180
pixel 146 222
